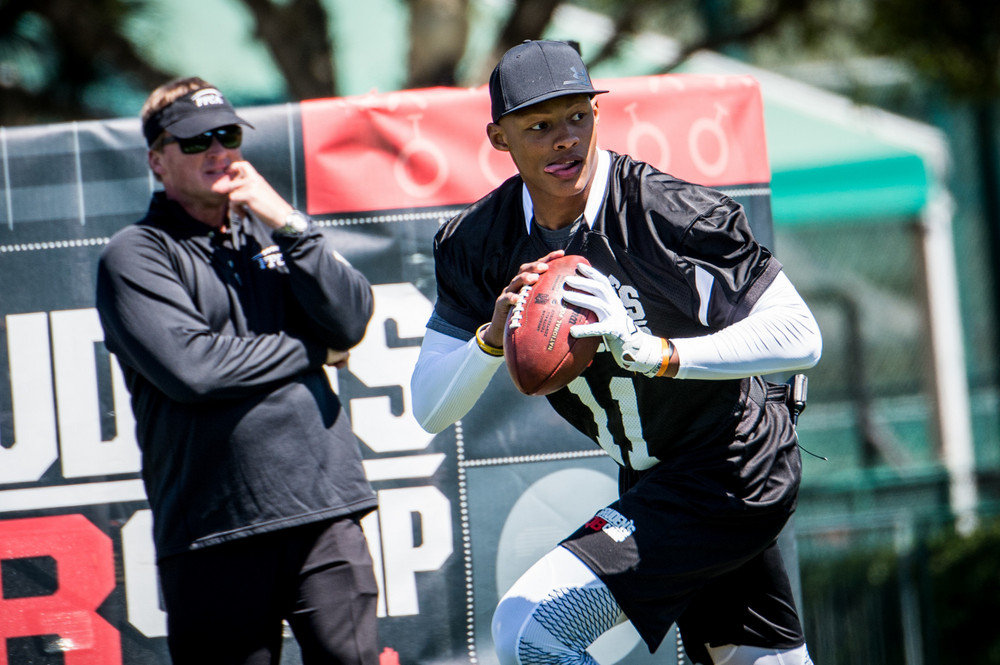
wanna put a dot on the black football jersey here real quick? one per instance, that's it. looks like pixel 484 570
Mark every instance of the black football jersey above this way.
pixel 684 262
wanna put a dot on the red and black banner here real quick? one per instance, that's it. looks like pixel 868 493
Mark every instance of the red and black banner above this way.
pixel 462 513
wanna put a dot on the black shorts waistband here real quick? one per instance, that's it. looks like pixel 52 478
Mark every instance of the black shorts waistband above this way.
pixel 760 391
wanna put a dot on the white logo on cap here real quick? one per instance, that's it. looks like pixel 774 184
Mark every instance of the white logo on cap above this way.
pixel 207 97
pixel 579 78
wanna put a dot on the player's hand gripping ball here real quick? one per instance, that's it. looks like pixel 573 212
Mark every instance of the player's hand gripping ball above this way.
pixel 541 355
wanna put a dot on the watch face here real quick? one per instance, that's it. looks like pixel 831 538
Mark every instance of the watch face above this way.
pixel 296 222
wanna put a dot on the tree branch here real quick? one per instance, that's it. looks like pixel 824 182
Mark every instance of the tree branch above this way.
pixel 299 41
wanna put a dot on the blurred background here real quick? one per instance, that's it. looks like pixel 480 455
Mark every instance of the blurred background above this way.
pixel 882 123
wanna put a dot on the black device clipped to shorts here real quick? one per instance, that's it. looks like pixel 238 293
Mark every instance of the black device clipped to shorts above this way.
pixel 798 389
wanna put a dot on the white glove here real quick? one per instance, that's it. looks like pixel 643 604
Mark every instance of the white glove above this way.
pixel 632 348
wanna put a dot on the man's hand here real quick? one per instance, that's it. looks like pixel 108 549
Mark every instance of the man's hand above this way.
pixel 632 348
pixel 526 274
pixel 249 192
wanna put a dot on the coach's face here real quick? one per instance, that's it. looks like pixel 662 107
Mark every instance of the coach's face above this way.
pixel 554 146
pixel 197 180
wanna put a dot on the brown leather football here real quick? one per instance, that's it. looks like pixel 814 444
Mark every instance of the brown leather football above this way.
pixel 541 355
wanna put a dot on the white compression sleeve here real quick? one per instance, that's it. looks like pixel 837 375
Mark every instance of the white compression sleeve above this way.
pixel 450 375
pixel 553 612
pixel 780 334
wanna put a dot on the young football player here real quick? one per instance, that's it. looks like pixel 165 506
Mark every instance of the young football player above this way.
pixel 692 310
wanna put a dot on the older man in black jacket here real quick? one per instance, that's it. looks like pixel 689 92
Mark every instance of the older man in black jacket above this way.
pixel 223 305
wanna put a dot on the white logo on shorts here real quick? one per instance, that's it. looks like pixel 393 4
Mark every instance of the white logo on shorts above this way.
pixel 613 523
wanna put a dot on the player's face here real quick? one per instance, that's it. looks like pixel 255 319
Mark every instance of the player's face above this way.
pixel 193 179
pixel 554 146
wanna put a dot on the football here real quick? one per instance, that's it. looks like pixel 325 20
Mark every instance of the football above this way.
pixel 541 355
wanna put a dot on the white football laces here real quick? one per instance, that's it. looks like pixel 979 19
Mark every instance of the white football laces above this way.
pixel 517 313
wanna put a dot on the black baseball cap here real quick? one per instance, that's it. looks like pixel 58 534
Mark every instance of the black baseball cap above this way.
pixel 195 113
pixel 534 72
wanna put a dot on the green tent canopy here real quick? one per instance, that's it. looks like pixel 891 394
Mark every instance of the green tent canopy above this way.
pixel 822 172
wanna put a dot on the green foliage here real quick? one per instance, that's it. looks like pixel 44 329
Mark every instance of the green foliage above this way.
pixel 849 612
pixel 856 601
pixel 53 52
pixel 58 56
pixel 956 44
pixel 965 581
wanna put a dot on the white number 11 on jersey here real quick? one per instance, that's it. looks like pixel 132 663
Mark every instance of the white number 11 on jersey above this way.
pixel 623 393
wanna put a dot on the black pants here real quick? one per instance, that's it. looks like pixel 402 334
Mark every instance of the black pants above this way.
pixel 225 604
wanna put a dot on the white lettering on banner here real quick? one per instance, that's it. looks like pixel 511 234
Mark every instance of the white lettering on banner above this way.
pixel 396 555
pixel 83 453
pixel 378 365
pixel 80 494
pixel 74 334
pixel 411 466
pixel 142 594
pixel 390 530
pixel 56 411
pixel 33 404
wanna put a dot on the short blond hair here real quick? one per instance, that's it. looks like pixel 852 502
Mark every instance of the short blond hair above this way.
pixel 170 92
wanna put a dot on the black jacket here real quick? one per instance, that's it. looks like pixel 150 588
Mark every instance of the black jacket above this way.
pixel 222 340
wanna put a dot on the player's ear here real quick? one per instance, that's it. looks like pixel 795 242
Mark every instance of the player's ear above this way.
pixel 497 137
pixel 597 114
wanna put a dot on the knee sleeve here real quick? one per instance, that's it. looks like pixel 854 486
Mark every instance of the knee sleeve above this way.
pixel 553 613
pixel 731 654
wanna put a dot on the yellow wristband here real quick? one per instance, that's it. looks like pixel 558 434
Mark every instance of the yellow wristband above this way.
pixel 486 348
pixel 668 353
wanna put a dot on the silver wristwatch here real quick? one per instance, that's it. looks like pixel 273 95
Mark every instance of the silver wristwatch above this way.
pixel 295 223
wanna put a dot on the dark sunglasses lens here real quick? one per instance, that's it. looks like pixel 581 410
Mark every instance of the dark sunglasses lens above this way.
pixel 229 137
pixel 195 144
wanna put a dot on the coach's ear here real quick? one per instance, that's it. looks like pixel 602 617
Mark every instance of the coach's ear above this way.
pixel 497 138
pixel 154 158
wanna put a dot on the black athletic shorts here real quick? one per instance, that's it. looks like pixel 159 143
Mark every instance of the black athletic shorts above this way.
pixel 225 603
pixel 699 547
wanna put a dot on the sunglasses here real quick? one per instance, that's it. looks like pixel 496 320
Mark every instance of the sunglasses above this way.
pixel 230 137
